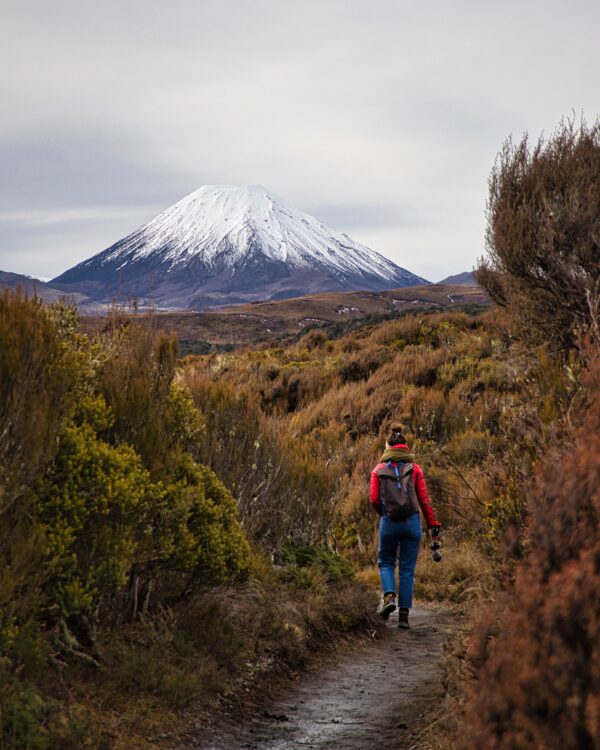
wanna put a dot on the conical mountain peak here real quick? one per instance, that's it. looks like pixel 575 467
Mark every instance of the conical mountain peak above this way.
pixel 224 243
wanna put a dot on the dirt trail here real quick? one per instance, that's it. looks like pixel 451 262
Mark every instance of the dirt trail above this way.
pixel 370 697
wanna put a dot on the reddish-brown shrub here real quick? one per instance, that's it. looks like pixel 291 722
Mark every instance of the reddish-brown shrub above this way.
pixel 543 236
pixel 537 658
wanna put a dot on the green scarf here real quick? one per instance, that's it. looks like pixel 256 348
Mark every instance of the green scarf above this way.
pixel 397 454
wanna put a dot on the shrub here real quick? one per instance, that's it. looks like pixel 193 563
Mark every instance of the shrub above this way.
pixel 37 377
pixel 433 416
pixel 135 378
pixel 543 246
pixel 116 519
pixel 105 521
pixel 90 507
pixel 536 658
pixel 466 573
pixel 313 340
pixel 28 721
pixel 507 505
pixel 177 655
pixel 334 567
pixel 469 447
pixel 280 488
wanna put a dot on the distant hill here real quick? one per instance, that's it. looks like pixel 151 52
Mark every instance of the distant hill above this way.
pixel 223 245
pixel 31 286
pixel 242 324
pixel 467 278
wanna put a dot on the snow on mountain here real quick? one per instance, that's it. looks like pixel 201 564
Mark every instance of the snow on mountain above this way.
pixel 200 223
pixel 224 244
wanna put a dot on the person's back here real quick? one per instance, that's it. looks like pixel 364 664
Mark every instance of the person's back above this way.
pixel 398 492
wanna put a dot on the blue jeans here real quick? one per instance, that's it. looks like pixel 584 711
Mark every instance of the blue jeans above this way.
pixel 399 540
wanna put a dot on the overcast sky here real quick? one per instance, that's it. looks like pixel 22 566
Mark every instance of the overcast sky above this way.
pixel 380 117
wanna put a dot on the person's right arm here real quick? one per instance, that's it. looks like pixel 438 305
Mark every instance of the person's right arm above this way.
pixel 424 499
pixel 374 492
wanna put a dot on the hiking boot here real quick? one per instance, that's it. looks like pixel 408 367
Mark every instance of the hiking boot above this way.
pixel 403 618
pixel 388 605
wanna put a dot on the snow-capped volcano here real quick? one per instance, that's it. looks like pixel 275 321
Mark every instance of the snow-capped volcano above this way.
pixel 224 244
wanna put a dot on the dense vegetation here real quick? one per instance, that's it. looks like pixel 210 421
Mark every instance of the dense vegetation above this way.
pixel 129 570
pixel 295 430
pixel 535 651
pixel 142 591
pixel 173 528
pixel 534 674
pixel 117 542
pixel 543 238
pixel 105 513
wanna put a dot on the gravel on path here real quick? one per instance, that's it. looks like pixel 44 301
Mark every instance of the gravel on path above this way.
pixel 372 697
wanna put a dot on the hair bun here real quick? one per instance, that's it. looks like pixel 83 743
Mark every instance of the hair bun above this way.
pixel 396 434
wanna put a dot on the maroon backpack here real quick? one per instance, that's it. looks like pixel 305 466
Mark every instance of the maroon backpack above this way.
pixel 397 490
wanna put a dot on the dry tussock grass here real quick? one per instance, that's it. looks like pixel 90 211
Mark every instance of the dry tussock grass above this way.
pixel 465 575
pixel 326 405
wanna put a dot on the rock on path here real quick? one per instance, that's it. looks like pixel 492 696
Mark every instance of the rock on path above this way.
pixel 372 697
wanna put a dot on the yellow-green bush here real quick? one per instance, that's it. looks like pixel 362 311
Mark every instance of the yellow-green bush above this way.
pixel 108 515
pixel 90 508
pixel 202 531
pixel 104 519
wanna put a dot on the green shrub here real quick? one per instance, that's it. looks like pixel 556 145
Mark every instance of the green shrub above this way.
pixel 117 520
pixel 334 567
pixel 104 518
pixel 91 507
pixel 506 508
pixel 197 526
pixel 29 721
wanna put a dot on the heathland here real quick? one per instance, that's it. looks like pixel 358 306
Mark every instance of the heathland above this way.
pixel 179 530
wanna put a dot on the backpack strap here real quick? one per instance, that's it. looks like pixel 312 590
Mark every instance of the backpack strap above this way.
pixel 398 474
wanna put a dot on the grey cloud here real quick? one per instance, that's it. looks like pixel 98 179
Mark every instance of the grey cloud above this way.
pixel 47 217
pixel 68 170
pixel 382 118
pixel 349 216
pixel 66 196
pixel 47 249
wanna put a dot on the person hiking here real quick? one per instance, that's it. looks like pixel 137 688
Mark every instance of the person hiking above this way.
pixel 398 492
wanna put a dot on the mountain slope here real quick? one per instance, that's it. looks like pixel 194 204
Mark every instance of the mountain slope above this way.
pixel 224 244
pixel 33 287
pixel 243 324
pixel 466 278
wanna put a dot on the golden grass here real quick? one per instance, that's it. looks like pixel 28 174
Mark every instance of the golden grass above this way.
pixel 246 323
pixel 465 573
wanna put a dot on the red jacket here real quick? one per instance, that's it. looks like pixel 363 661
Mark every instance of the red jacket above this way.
pixel 420 487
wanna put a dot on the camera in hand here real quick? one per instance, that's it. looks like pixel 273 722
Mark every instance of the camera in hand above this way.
pixel 435 547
